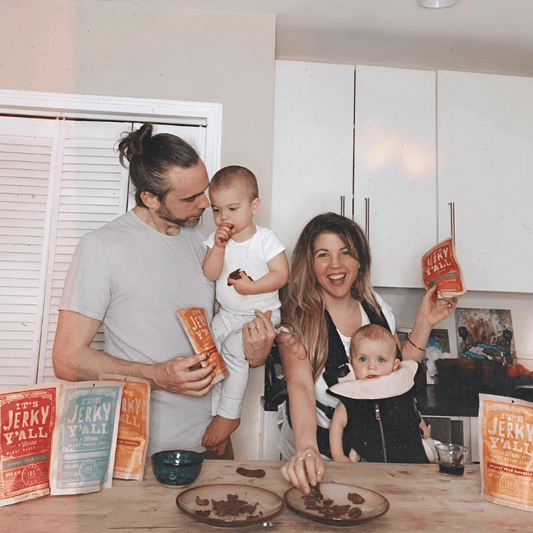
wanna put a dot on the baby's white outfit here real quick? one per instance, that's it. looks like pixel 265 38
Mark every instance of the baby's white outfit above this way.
pixel 236 309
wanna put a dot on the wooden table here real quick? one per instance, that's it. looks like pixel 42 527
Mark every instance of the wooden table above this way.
pixel 421 499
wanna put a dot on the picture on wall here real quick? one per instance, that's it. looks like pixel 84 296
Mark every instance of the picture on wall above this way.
pixel 485 334
pixel 438 347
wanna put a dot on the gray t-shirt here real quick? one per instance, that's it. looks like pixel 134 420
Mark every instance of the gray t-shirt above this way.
pixel 133 279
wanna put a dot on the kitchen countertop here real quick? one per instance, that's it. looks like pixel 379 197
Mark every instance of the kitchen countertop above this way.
pixel 421 499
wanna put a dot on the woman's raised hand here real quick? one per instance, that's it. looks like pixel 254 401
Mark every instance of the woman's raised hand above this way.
pixel 433 310
pixel 304 470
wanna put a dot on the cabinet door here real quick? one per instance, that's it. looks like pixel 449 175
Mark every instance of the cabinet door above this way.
pixel 395 170
pixel 485 162
pixel 313 144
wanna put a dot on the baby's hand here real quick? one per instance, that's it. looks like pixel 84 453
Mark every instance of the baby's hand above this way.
pixel 223 235
pixel 242 283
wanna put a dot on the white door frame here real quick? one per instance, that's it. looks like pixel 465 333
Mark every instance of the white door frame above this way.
pixel 63 105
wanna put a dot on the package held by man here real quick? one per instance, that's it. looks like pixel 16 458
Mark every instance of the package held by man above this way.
pixel 194 321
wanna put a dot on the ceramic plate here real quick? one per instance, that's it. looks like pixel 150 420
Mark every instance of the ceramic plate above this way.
pixel 338 505
pixel 202 503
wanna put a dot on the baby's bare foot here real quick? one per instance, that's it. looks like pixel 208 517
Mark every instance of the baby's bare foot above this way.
pixel 218 431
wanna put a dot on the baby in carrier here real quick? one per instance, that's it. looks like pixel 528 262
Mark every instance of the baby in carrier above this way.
pixel 376 419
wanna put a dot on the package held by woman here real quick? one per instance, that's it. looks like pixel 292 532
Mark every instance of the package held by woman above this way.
pixel 27 422
pixel 506 450
pixel 133 427
pixel 85 440
pixel 440 266
pixel 194 321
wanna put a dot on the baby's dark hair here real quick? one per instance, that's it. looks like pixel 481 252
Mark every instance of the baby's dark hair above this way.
pixel 151 156
pixel 373 332
pixel 229 175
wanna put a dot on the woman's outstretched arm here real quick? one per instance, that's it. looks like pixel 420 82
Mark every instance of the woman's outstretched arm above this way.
pixel 431 312
pixel 306 467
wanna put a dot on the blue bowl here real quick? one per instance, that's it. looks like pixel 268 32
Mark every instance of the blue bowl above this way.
pixel 177 467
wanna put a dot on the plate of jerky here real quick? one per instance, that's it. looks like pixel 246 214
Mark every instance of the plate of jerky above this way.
pixel 337 504
pixel 230 505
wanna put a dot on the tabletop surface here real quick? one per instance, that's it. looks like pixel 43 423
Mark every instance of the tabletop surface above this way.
pixel 420 497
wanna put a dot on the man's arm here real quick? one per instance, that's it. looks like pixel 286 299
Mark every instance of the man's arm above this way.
pixel 75 360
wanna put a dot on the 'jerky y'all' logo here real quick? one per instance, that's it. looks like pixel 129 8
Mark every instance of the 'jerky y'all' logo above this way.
pixel 89 420
pixel 511 433
pixel 437 261
pixel 26 421
pixel 131 408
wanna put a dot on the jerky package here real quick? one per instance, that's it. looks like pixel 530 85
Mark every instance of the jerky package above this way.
pixel 133 428
pixel 83 453
pixel 506 451
pixel 27 421
pixel 440 266
pixel 194 321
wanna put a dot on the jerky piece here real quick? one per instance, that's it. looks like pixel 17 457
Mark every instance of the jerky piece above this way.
pixel 248 508
pixel 236 274
pixel 250 473
pixel 356 498
pixel 315 491
pixel 232 506
pixel 335 511
pixel 199 501
pixel 355 512
pixel 205 513
pixel 313 499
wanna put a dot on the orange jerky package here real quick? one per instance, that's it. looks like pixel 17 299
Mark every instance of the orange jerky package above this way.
pixel 506 451
pixel 133 427
pixel 194 320
pixel 440 266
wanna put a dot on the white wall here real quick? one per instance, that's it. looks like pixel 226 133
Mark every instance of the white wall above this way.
pixel 389 50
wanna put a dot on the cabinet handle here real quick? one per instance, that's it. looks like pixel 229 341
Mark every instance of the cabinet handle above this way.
pixel 452 217
pixel 367 218
pixel 343 205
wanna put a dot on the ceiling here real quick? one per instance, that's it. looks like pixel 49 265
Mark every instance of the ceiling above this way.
pixel 484 35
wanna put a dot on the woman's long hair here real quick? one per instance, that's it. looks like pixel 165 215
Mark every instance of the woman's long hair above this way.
pixel 303 311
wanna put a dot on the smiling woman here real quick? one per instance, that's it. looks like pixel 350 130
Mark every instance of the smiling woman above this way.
pixel 330 298
pixel 336 270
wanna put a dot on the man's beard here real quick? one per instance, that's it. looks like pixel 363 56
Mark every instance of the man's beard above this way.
pixel 164 214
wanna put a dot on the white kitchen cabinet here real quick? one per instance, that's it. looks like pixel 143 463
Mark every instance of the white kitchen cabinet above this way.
pixel 485 167
pixel 313 144
pixel 423 140
pixel 395 170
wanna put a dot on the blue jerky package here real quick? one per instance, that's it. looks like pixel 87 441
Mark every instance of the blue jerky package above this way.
pixel 85 441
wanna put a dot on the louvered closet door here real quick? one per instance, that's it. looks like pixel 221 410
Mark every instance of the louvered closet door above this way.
pixel 92 190
pixel 28 156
